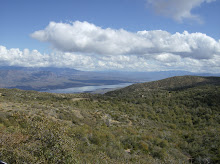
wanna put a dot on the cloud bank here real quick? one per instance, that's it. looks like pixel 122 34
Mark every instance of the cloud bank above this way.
pixel 177 9
pixel 86 38
pixel 162 62
pixel 85 46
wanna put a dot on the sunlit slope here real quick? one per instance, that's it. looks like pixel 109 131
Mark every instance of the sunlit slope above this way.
pixel 174 120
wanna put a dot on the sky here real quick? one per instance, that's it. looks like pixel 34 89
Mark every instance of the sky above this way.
pixel 111 35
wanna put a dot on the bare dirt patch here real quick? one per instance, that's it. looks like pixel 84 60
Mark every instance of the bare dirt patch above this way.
pixel 78 99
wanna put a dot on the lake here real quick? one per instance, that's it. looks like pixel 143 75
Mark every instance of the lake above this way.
pixel 93 89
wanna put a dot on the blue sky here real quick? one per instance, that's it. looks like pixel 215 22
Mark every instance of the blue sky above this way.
pixel 33 33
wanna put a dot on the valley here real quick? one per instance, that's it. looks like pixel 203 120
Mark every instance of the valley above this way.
pixel 49 78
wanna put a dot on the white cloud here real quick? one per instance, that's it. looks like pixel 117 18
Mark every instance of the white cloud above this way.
pixel 27 58
pixel 168 58
pixel 86 38
pixel 16 57
pixel 160 62
pixel 177 9
pixel 84 46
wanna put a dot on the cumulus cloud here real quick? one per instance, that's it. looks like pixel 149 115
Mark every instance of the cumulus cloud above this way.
pixel 84 46
pixel 167 58
pixel 27 58
pixel 17 57
pixel 177 9
pixel 86 38
pixel 160 62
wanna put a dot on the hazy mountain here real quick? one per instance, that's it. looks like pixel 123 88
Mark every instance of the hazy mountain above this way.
pixel 52 78
pixel 59 78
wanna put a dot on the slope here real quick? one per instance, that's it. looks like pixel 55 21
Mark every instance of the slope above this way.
pixel 172 83
pixel 146 125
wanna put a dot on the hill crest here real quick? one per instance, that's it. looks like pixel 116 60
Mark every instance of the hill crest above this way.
pixel 172 83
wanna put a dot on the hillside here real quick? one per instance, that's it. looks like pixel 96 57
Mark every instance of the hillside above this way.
pixel 171 84
pixel 175 120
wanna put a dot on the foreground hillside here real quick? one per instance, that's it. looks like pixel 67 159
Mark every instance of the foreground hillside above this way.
pixel 174 120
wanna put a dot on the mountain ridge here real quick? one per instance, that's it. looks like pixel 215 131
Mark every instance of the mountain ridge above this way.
pixel 48 78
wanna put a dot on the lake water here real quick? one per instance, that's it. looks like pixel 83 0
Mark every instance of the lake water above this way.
pixel 96 89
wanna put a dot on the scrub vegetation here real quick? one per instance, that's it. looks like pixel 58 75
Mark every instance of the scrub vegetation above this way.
pixel 175 120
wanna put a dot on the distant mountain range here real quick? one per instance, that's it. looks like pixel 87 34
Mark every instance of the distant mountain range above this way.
pixel 46 78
